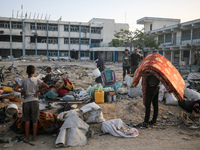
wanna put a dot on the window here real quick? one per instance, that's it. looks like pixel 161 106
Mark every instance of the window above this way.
pixel 16 25
pixel 74 41
pixel 84 54
pixel 66 40
pixel 5 38
pixel 66 28
pixel 4 52
pixel 186 35
pixel 63 53
pixel 53 40
pixel 74 28
pixel 30 52
pixel 95 42
pixel 42 52
pixel 41 26
pixel 16 38
pixel 186 54
pixel 196 33
pixel 4 24
pixel 96 30
pixel 168 37
pixel 85 29
pixel 53 27
pixel 150 27
pixel 53 53
pixel 85 41
pixel 32 26
pixel 161 38
pixel 40 39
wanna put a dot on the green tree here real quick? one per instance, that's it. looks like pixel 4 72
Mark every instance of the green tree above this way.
pixel 135 39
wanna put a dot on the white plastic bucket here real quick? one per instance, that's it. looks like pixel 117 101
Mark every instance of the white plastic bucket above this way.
pixel 11 110
pixel 96 72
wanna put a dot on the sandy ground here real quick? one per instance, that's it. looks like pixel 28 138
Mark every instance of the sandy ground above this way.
pixel 171 133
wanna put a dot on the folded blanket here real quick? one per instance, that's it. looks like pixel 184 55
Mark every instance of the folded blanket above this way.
pixel 164 70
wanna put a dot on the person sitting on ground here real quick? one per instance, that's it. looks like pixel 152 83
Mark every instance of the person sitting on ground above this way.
pixel 47 78
pixel 135 59
pixel 152 92
pixel 126 63
pixel 30 103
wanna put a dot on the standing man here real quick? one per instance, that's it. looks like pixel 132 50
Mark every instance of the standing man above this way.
pixel 152 92
pixel 135 59
pixel 126 63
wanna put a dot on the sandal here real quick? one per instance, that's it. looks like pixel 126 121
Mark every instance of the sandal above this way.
pixel 142 125
pixel 153 123
pixel 24 140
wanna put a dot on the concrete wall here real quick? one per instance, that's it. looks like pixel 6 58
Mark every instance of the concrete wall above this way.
pixel 107 34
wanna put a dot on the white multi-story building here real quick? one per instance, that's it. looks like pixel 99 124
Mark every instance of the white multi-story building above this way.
pixel 59 39
pixel 179 41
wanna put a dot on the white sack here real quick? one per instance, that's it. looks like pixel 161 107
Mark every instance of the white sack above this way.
pixel 192 94
pixel 170 99
pixel 63 115
pixel 129 80
pixel 117 127
pixel 73 132
pixel 95 114
pixel 162 91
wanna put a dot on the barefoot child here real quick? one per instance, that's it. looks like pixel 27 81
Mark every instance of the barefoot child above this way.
pixel 30 104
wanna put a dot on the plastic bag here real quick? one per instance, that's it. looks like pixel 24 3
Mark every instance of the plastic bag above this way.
pixel 171 99
pixel 192 94
pixel 162 91
pixel 129 80
pixel 134 92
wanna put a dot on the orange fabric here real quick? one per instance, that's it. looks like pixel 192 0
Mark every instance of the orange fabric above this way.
pixel 165 71
pixel 45 121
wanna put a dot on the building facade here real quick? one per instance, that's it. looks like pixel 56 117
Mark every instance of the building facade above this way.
pixel 179 41
pixel 58 39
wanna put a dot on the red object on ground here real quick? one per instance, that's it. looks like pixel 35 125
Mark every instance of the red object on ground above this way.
pixel 62 92
pixel 1 91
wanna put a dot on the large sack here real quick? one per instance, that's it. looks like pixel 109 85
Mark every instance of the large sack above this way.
pixel 95 114
pixel 192 94
pixel 170 99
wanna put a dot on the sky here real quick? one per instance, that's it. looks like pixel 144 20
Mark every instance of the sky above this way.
pixel 123 11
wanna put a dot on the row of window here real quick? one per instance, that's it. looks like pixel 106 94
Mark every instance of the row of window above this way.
pixel 14 25
pixel 73 28
pixel 76 41
pixel 54 40
pixel 6 38
pixel 186 35
pixel 51 27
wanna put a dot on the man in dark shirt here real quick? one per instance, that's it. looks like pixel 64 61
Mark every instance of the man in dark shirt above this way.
pixel 135 59
pixel 152 91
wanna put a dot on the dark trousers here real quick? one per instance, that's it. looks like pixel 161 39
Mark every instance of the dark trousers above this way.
pixel 151 97
pixel 133 68
pixel 126 68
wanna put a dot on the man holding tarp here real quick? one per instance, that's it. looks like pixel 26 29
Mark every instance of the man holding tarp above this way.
pixel 153 69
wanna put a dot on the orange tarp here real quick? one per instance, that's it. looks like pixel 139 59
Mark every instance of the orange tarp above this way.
pixel 165 71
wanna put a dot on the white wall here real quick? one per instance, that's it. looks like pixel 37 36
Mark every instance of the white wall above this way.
pixel 108 31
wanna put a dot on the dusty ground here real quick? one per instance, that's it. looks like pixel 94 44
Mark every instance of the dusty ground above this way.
pixel 171 133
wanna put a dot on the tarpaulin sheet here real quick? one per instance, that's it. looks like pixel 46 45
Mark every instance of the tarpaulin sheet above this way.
pixel 165 71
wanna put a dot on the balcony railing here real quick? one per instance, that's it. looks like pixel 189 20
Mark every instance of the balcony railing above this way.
pixel 179 42
pixel 187 68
